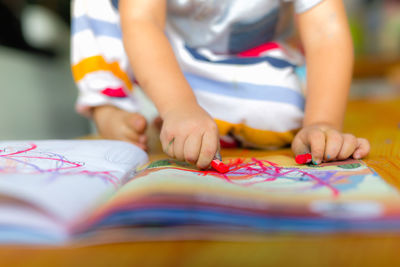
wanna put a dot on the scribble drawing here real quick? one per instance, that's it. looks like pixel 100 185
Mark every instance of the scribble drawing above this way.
pixel 268 175
pixel 261 173
pixel 29 159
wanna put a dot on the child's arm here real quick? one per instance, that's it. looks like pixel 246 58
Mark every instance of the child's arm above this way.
pixel 188 132
pixel 329 55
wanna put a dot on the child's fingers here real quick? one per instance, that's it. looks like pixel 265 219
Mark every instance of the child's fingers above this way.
pixel 178 145
pixel 192 148
pixel 167 143
pixel 158 123
pixel 363 148
pixel 130 133
pixel 143 139
pixel 316 139
pixel 142 146
pixel 133 136
pixel 209 147
pixel 136 122
pixel 299 146
pixel 134 129
pixel 139 144
pixel 167 139
pixel 334 142
pixel 348 147
pixel 130 136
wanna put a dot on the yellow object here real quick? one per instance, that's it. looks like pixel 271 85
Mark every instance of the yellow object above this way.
pixel 98 63
pixel 256 137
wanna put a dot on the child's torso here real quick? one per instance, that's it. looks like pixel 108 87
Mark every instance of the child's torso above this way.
pixel 224 26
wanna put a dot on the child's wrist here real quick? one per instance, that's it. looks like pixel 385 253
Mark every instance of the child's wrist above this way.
pixel 182 104
pixel 322 125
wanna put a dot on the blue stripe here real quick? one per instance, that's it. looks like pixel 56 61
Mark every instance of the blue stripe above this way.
pixel 115 3
pixel 99 27
pixel 247 90
pixel 164 217
pixel 275 62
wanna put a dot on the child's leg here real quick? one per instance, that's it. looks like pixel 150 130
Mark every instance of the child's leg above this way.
pixel 101 70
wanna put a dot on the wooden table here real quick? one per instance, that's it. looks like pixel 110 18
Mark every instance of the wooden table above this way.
pixel 379 121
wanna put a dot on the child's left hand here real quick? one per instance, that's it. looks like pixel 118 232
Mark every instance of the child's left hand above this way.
pixel 328 144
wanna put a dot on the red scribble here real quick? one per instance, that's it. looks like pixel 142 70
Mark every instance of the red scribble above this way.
pixel 241 171
pixel 66 167
pixel 33 146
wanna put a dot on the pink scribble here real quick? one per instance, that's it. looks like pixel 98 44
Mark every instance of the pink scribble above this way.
pixel 27 156
pixel 262 168
pixel 33 147
pixel 242 172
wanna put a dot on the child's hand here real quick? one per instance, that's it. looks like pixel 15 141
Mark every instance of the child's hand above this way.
pixel 189 133
pixel 327 144
pixel 114 123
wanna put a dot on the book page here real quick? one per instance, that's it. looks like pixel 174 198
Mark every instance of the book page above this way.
pixel 256 195
pixel 63 179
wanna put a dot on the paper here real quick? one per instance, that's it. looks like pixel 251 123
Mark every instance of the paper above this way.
pixel 63 180
pixel 256 195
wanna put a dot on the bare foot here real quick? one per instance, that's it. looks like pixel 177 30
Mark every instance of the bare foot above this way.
pixel 117 124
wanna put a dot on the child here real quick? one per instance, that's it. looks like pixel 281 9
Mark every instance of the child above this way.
pixel 214 68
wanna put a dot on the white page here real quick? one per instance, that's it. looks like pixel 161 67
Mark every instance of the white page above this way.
pixel 23 224
pixel 66 179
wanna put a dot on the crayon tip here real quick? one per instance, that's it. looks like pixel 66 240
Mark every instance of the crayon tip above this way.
pixel 303 158
pixel 219 166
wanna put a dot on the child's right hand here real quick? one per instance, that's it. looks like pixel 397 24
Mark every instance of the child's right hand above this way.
pixel 189 133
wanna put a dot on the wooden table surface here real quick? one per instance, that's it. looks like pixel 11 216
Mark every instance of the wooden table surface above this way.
pixel 377 120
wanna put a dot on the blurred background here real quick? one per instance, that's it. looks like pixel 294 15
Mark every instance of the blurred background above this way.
pixel 37 92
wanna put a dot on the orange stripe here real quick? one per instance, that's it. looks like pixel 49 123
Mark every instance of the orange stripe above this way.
pixel 261 138
pixel 98 63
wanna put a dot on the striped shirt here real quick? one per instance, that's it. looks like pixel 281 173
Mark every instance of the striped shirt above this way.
pixel 231 52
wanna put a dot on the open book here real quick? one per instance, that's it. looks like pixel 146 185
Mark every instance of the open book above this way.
pixel 54 192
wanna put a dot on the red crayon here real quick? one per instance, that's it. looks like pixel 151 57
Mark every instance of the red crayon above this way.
pixel 303 158
pixel 219 166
